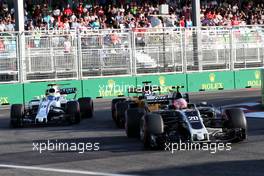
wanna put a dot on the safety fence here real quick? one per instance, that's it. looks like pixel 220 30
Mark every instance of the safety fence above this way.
pixel 59 55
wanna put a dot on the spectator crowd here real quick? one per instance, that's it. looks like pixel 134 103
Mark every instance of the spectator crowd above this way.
pixel 82 14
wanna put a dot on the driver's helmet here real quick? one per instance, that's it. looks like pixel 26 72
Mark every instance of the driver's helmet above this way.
pixel 51 92
pixel 180 103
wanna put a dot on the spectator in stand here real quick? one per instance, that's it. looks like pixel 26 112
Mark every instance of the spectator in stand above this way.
pixel 9 25
pixel 2 25
pixel 67 11
pixel 2 45
pixel 114 38
pixel 189 23
pixel 49 19
pixel 75 25
pixel 95 24
pixel 66 24
pixel 235 21
pixel 182 21
pixel 83 15
pixel 80 10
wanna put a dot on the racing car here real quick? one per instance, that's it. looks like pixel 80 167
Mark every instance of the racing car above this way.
pixel 121 105
pixel 197 123
pixel 53 108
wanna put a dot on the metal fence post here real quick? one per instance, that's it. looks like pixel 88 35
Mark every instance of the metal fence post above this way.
pixel 79 55
pixel 183 51
pixel 22 58
pixel 197 49
pixel 130 49
pixel 133 49
pixel 232 50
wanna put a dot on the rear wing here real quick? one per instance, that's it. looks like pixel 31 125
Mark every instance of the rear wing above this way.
pixel 68 90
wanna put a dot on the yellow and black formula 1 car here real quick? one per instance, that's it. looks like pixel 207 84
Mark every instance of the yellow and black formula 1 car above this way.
pixel 127 111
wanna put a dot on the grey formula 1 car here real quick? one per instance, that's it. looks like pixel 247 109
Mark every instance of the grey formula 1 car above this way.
pixel 53 108
pixel 196 123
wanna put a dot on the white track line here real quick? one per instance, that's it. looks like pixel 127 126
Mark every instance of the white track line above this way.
pixel 59 170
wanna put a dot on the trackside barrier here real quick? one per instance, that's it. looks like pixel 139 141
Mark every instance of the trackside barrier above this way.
pixel 210 81
pixel 114 86
pixel 247 79
pixel 165 81
pixel 11 93
pixel 107 87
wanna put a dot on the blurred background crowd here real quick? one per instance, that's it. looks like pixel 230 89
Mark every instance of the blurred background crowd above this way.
pixel 130 14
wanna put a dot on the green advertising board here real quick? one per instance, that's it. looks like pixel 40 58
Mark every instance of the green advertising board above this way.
pixel 107 87
pixel 248 79
pixel 11 93
pixel 113 86
pixel 37 90
pixel 165 81
pixel 210 81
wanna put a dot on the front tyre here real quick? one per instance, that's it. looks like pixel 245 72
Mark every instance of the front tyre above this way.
pixel 132 122
pixel 151 125
pixel 73 112
pixel 86 107
pixel 16 115
pixel 236 121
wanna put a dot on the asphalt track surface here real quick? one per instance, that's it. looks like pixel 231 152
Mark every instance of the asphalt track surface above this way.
pixel 121 155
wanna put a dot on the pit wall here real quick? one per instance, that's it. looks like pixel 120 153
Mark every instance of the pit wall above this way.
pixel 113 86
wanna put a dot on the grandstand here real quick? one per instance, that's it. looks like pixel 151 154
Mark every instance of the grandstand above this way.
pixel 101 14
pixel 83 39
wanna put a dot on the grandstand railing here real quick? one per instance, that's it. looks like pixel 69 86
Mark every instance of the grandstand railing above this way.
pixel 57 55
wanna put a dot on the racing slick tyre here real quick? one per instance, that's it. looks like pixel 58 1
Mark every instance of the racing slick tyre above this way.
pixel 236 120
pixel 113 108
pixel 86 107
pixel 73 112
pixel 16 115
pixel 132 122
pixel 151 125
pixel 121 108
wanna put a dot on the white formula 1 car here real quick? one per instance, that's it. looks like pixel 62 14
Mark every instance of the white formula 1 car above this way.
pixel 53 108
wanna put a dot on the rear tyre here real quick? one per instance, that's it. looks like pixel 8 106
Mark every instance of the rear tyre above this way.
pixel 16 116
pixel 113 107
pixel 86 107
pixel 236 120
pixel 151 125
pixel 132 122
pixel 121 108
pixel 73 112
